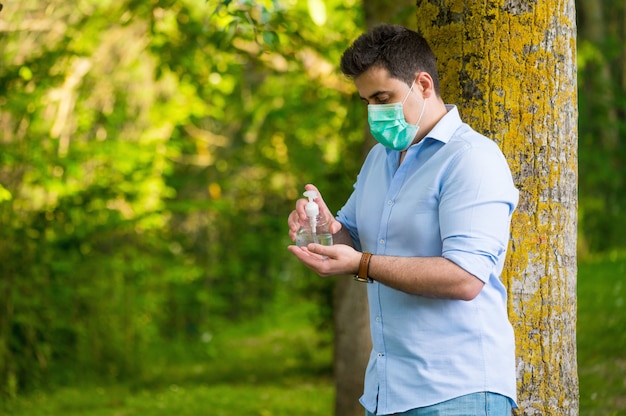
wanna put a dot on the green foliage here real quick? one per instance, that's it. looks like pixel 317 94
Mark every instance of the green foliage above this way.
pixel 149 156
pixel 602 125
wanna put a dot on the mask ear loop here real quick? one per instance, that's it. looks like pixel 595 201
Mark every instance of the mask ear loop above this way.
pixel 423 106
pixel 406 97
pixel 422 113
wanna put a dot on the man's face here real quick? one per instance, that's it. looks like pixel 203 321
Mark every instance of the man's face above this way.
pixel 376 86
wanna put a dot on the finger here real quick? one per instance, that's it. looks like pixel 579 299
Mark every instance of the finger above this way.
pixel 300 205
pixel 319 200
pixel 335 226
pixel 293 224
pixel 305 256
pixel 296 250
pixel 323 251
pixel 293 221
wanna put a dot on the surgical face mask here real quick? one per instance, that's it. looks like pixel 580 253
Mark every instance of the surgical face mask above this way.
pixel 388 125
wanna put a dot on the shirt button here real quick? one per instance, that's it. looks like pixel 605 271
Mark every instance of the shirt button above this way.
pixel 390 202
pixel 382 241
pixel 378 319
pixel 380 354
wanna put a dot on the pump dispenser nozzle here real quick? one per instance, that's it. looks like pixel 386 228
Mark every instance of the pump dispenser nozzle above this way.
pixel 312 210
pixel 316 231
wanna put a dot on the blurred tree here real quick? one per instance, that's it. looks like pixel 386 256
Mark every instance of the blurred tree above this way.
pixel 81 165
pixel 602 101
pixel 149 154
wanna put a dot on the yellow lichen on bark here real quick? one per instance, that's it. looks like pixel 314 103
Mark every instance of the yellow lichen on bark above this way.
pixel 510 66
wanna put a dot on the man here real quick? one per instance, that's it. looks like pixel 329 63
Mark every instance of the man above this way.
pixel 427 226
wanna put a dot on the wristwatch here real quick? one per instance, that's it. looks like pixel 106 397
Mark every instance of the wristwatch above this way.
pixel 364 267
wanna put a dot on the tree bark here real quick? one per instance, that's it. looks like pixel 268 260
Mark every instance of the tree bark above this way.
pixel 352 345
pixel 511 68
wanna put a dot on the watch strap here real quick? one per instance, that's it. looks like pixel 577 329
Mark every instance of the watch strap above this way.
pixel 364 267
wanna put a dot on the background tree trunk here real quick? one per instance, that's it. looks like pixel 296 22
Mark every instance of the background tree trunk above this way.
pixel 351 319
pixel 511 68
pixel 352 345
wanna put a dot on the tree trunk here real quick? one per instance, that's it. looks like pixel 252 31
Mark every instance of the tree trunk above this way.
pixel 511 68
pixel 352 345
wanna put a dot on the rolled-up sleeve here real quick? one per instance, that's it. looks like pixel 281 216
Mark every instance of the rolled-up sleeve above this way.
pixel 478 198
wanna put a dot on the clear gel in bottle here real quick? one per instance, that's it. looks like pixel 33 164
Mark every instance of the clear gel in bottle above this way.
pixel 315 229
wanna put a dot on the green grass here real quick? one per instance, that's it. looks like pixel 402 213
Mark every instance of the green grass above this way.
pixel 280 365
pixel 276 365
pixel 194 399
pixel 601 336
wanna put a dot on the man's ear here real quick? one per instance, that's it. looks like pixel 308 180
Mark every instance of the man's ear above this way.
pixel 425 83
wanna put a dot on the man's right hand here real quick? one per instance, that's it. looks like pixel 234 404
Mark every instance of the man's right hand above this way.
pixel 299 214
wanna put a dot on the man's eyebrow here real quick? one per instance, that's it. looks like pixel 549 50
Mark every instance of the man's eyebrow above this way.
pixel 376 94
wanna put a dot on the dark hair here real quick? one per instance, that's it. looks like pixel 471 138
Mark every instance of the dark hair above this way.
pixel 402 52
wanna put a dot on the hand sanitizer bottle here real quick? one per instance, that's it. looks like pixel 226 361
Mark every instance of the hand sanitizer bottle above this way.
pixel 315 229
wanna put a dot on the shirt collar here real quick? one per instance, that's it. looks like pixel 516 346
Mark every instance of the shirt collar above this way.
pixel 445 128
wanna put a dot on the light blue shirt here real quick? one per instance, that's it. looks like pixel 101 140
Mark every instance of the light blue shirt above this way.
pixel 452 196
